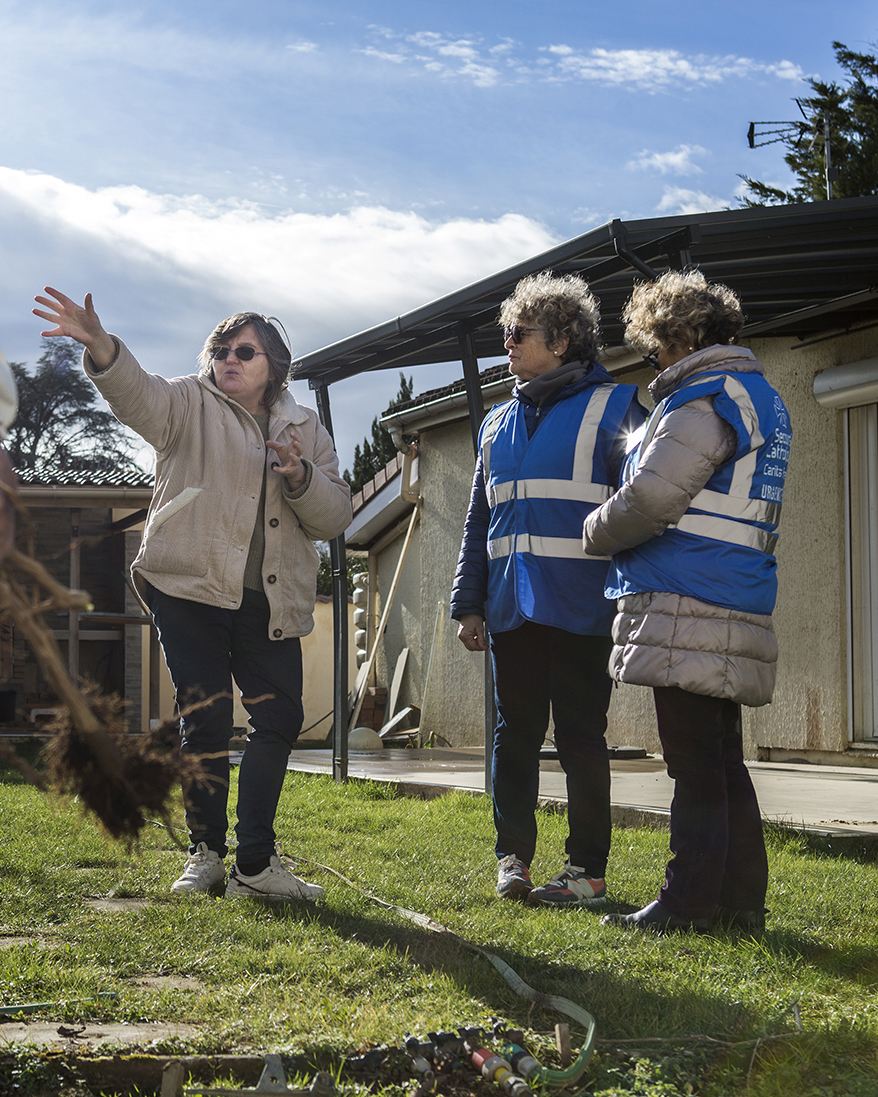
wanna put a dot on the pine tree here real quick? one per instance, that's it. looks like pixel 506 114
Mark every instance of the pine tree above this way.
pixel 371 457
pixel 852 111
pixel 59 426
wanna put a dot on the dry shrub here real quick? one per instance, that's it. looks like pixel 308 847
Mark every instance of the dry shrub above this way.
pixel 152 768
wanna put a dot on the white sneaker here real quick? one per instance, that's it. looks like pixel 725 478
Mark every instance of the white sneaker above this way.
pixel 274 882
pixel 204 870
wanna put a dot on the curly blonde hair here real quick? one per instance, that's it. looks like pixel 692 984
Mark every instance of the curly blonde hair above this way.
pixel 561 306
pixel 681 309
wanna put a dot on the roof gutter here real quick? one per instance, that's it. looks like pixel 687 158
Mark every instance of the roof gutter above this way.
pixel 445 409
pixel 61 496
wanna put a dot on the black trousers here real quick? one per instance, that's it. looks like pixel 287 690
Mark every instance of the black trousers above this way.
pixel 204 646
pixel 716 826
pixel 536 666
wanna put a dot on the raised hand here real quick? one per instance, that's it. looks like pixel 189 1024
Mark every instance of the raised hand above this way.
pixel 79 322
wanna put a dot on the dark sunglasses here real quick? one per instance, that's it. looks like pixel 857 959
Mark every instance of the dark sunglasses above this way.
pixel 651 359
pixel 517 332
pixel 243 354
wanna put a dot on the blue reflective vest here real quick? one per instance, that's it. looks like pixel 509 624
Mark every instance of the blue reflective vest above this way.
pixel 722 549
pixel 539 491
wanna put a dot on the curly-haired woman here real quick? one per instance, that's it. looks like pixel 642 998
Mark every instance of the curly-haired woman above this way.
pixel 547 457
pixel 692 533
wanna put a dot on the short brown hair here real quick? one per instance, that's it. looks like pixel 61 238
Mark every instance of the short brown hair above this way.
pixel 279 357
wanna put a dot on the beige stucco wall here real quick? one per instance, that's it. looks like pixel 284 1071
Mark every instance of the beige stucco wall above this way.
pixel 450 690
pixel 810 708
pixel 456 702
pixel 403 629
pixel 317 670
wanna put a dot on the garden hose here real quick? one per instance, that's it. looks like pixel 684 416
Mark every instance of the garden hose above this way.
pixel 533 1071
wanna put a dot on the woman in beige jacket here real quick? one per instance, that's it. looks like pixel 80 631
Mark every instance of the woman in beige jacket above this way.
pixel 246 481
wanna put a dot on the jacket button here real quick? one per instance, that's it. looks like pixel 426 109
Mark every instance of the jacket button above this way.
pixel 274 522
pixel 272 578
pixel 277 633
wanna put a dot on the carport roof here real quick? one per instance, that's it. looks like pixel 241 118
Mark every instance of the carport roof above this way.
pixel 799 270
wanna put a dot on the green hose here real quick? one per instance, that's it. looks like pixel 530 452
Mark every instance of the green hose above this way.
pixel 538 1073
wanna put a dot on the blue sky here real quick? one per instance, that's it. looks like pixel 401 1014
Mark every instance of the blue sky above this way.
pixel 338 163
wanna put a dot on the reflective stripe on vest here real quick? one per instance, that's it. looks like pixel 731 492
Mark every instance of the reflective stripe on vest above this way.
pixel 567 548
pixel 730 513
pixel 580 487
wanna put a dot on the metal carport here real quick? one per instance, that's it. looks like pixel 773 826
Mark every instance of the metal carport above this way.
pixel 801 271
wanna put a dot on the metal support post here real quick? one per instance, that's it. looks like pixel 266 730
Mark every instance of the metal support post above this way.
pixel 339 627
pixel 476 407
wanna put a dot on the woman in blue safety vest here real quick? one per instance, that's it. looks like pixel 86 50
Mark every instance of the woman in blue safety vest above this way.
pixel 546 459
pixel 692 534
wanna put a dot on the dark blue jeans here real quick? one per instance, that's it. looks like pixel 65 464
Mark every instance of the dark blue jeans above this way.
pixel 536 666
pixel 204 646
pixel 716 826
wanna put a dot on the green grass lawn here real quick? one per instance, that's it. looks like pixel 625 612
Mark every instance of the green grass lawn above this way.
pixel 790 1015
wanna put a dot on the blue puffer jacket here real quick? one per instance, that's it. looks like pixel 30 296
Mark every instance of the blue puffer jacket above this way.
pixel 536 490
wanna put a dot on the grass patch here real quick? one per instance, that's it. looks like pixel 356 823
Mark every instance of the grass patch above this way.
pixel 794 1013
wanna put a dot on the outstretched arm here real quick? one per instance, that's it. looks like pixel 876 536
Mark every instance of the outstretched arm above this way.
pixel 79 322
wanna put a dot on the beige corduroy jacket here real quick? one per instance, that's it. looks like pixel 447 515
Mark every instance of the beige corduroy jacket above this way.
pixel 210 462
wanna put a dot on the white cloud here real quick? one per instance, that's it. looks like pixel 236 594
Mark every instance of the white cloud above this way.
pixel 384 55
pixel 586 216
pixel 679 200
pixel 164 269
pixel 376 260
pixel 303 47
pixel 679 161
pixel 650 70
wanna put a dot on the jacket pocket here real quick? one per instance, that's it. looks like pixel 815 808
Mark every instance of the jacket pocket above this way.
pixel 179 536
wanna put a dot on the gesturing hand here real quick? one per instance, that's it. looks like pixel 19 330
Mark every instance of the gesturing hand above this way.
pixel 290 460
pixel 79 322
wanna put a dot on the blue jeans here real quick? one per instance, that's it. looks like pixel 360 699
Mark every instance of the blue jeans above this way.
pixel 536 666
pixel 716 826
pixel 204 646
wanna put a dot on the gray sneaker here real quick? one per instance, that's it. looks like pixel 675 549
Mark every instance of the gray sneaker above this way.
pixel 204 870
pixel 513 878
pixel 274 882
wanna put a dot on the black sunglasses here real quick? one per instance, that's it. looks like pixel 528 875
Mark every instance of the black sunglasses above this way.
pixel 517 332
pixel 243 354
pixel 651 359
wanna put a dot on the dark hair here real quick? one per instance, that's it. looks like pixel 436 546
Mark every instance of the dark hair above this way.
pixel 279 357
pixel 562 306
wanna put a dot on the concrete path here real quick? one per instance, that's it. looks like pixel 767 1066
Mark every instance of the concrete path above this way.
pixel 834 802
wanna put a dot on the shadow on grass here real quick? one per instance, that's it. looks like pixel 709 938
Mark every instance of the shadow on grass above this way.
pixel 635 1009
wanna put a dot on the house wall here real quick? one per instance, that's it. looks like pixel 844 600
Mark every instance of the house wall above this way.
pixel 456 701
pixel 403 628
pixel 809 714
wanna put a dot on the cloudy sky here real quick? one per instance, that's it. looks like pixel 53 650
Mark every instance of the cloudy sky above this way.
pixel 338 162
